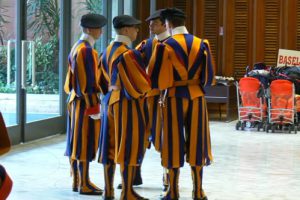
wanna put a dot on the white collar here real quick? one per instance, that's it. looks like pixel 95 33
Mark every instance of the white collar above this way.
pixel 123 38
pixel 179 30
pixel 88 38
pixel 162 36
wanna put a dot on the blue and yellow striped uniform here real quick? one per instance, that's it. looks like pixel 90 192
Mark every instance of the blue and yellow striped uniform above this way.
pixel 184 64
pixel 82 88
pixel 146 48
pixel 124 82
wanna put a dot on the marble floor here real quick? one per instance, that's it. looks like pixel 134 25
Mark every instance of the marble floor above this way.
pixel 248 165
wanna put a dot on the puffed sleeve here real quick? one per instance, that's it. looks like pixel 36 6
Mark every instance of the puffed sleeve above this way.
pixel 103 78
pixel 208 66
pixel 133 77
pixel 84 74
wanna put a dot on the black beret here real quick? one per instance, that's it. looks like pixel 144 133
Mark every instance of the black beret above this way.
pixel 155 15
pixel 125 20
pixel 92 20
pixel 172 12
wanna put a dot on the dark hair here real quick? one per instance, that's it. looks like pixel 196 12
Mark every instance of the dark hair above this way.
pixel 176 21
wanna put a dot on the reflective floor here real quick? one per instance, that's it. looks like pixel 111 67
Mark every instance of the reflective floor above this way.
pixel 249 165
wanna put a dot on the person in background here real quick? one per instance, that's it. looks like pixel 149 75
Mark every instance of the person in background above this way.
pixel 5 180
pixel 185 65
pixel 83 120
pixel 157 28
pixel 124 83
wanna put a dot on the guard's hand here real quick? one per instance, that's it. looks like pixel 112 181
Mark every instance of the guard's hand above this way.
pixel 95 116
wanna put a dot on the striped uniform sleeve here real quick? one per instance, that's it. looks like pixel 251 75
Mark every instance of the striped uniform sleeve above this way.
pixel 85 72
pixel 133 77
pixel 208 66
pixel 141 47
pixel 160 62
pixel 102 77
pixel 69 78
pixel 67 86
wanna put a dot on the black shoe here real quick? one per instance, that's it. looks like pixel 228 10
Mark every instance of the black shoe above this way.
pixel 165 188
pixel 143 198
pixel 167 197
pixel 119 186
pixel 92 192
pixel 134 184
pixel 108 198
pixel 139 197
pixel 137 180
pixel 202 198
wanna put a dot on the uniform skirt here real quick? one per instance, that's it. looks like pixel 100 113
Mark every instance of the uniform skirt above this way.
pixel 154 113
pixel 122 137
pixel 82 133
pixel 186 133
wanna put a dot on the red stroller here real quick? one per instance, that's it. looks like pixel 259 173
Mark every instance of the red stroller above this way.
pixel 282 107
pixel 252 106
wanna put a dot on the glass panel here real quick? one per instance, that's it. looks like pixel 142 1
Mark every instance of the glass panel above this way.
pixel 114 12
pixel 40 59
pixel 128 7
pixel 81 7
pixel 8 95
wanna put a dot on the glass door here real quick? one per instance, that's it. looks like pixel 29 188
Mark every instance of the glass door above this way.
pixel 8 78
pixel 30 84
pixel 7 85
pixel 40 70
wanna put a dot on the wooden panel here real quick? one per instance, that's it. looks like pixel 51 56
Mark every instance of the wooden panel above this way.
pixel 298 25
pixel 220 29
pixel 272 31
pixel 164 4
pixel 185 6
pixel 180 4
pixel 142 12
pixel 228 38
pixel 258 50
pixel 240 37
pixel 250 32
pixel 211 26
pixel 291 31
pixel 253 29
pixel 198 15
pixel 206 23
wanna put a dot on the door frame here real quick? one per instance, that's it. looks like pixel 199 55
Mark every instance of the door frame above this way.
pixel 24 132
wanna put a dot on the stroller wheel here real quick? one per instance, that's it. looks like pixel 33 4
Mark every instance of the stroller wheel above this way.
pixel 238 125
pixel 273 128
pixel 243 125
pixel 268 127
pixel 290 128
pixel 264 126
pixel 295 129
pixel 259 125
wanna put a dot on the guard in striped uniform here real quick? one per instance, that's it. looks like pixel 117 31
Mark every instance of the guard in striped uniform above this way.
pixel 83 122
pixel 185 66
pixel 124 82
pixel 158 29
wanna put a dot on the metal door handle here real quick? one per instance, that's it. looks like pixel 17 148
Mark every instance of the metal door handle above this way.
pixel 23 65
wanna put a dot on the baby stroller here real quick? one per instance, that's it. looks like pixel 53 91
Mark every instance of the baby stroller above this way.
pixel 291 73
pixel 252 104
pixel 281 108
